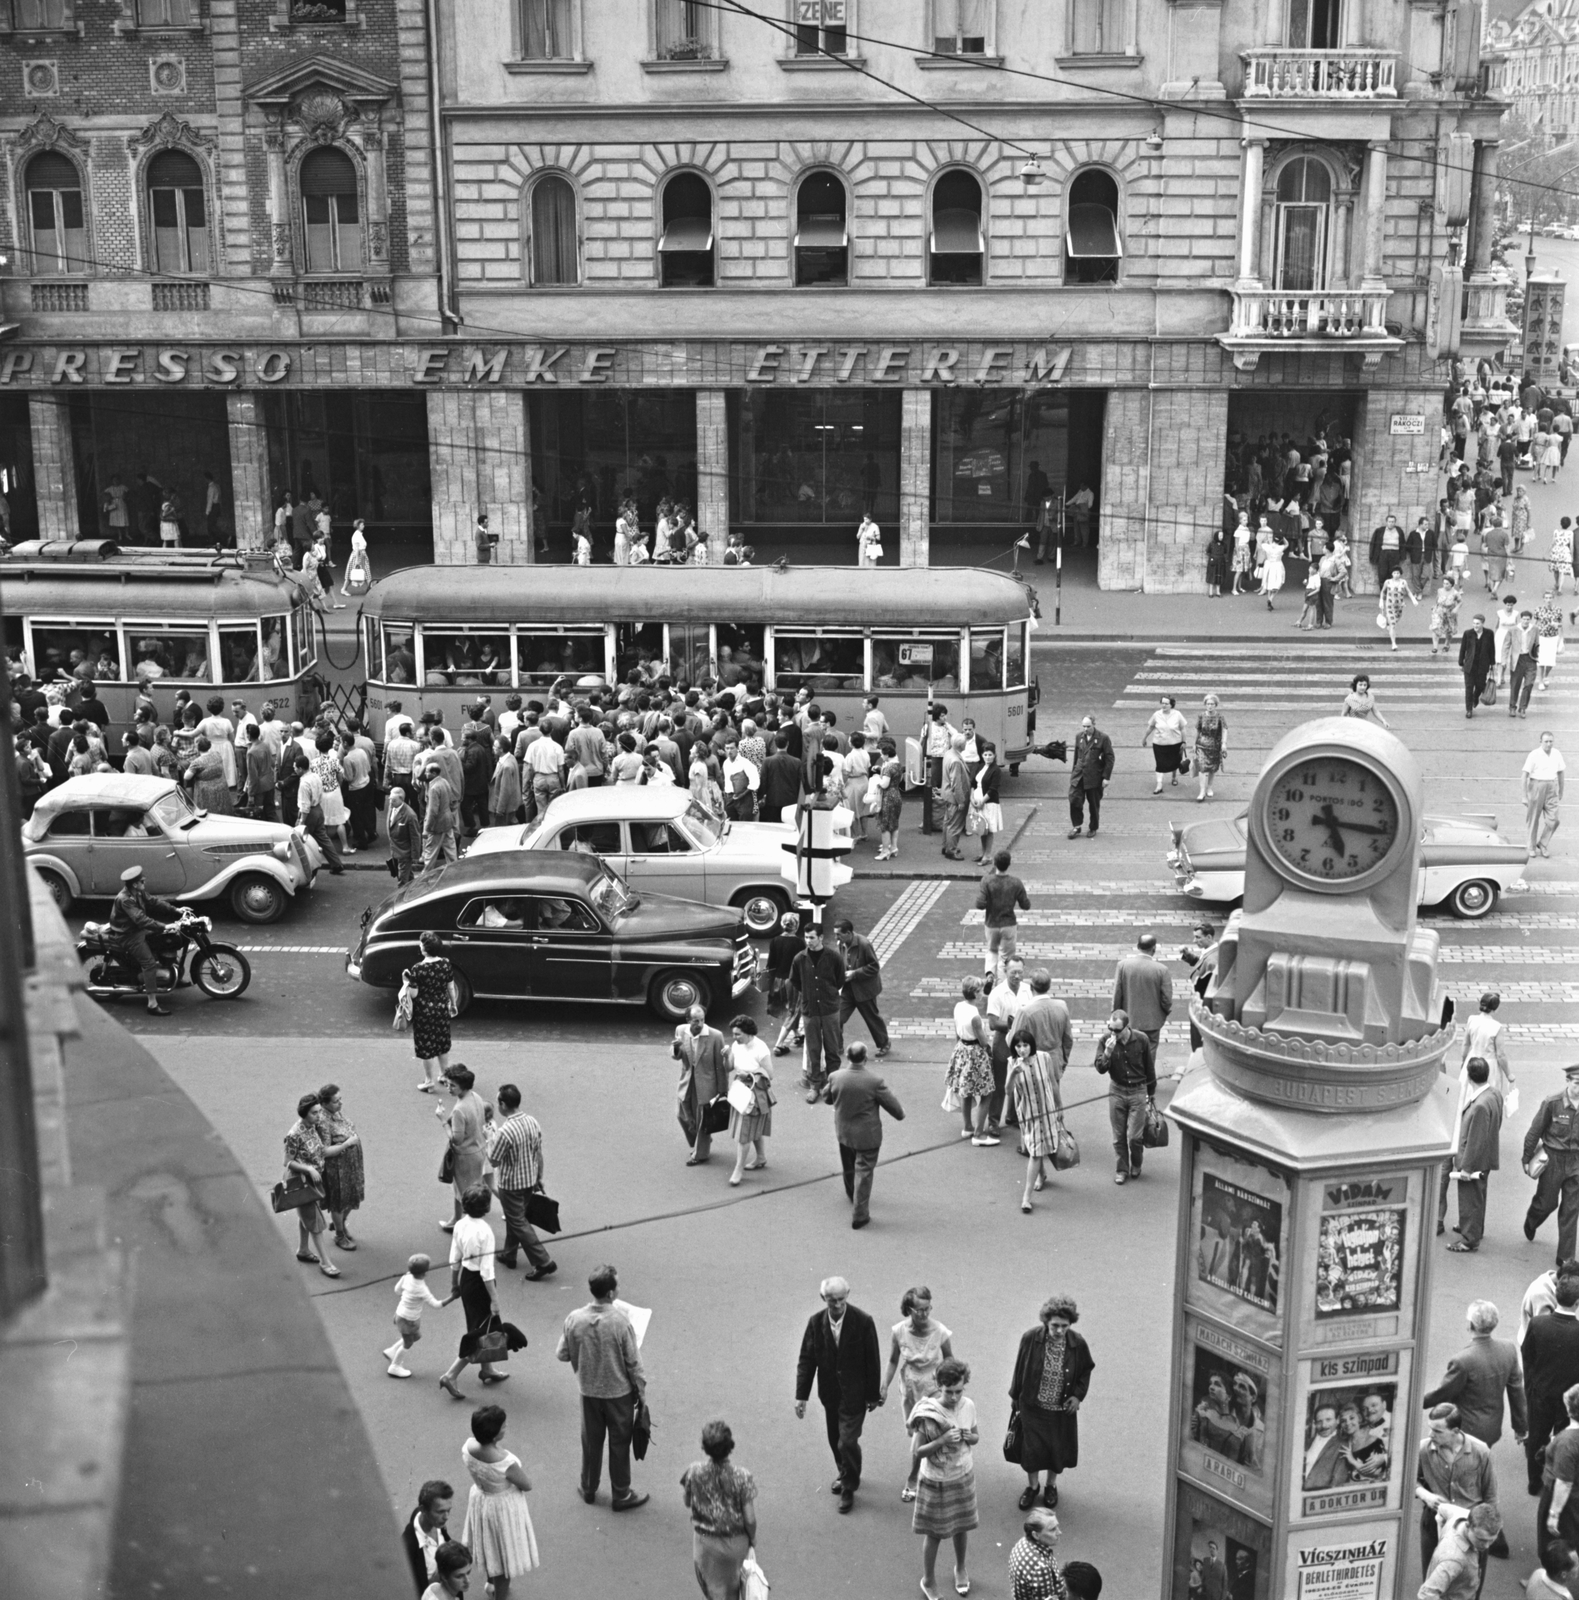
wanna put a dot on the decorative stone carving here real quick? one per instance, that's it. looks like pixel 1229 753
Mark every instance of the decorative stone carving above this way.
pixel 168 132
pixel 45 133
pixel 322 115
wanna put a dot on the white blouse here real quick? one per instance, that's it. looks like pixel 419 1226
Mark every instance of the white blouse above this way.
pixel 472 1244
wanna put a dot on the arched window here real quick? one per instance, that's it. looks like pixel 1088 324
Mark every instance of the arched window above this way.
pixel 1092 248
pixel 822 239
pixel 956 248
pixel 553 231
pixel 1304 206
pixel 330 212
pixel 180 213
pixel 54 208
pixel 685 248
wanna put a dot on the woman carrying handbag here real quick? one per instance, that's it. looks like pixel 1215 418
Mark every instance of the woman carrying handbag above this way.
pixel 305 1153
pixel 472 1249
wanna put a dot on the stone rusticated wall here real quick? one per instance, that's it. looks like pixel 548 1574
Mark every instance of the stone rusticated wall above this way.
pixel 479 453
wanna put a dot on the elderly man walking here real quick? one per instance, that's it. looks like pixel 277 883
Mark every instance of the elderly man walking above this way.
pixel 1543 777
pixel 859 1097
pixel 954 792
pixel 840 1350
pixel 1477 655
pixel 405 835
pixel 1142 987
pixel 600 1344
pixel 704 1075
pixel 1479 1133
pixel 440 843
pixel 1090 768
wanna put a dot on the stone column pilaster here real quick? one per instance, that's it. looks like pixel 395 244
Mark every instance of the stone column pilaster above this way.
pixel 1250 214
pixel 915 478
pixel 479 456
pixel 250 491
pixel 1375 215
pixel 712 468
pixel 55 468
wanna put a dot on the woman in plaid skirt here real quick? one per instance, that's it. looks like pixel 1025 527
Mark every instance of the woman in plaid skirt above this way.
pixel 943 1426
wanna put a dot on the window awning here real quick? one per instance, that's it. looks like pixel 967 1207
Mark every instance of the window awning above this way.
pixel 821 233
pixel 687 233
pixel 957 233
pixel 1093 232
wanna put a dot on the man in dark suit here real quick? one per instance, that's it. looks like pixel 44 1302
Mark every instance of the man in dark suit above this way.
pixel 426 1529
pixel 1551 1365
pixel 1142 987
pixel 1477 655
pixel 781 780
pixel 704 1075
pixel 863 982
pixel 840 1348
pixel 1090 767
pixel 1479 1129
pixel 859 1098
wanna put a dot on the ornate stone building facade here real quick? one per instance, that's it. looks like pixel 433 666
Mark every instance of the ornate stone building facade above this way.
pixel 1536 53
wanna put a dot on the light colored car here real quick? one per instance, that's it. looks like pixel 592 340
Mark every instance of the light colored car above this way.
pixel 86 832
pixel 661 841
pixel 1464 862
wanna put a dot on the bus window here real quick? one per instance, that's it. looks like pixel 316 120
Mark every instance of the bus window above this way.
pixel 15 659
pixel 690 651
pixel 1014 661
pixel 638 647
pixel 547 655
pixel 276 653
pixel 986 659
pixel 168 652
pixel 373 649
pixel 819 661
pixel 63 647
pixel 740 653
pixel 238 653
pixel 400 653
pixel 305 639
pixel 898 661
pixel 458 656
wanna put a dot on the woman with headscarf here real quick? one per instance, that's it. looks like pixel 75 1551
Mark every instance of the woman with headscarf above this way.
pixel 305 1154
pixel 467 1121
pixel 1052 1373
pixel 344 1175
pixel 1211 745
pixel 1033 1567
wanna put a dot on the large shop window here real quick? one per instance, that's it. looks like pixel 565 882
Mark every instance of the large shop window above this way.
pixel 330 212
pixel 553 231
pixel 997 454
pixel 822 239
pixel 54 208
pixel 814 456
pixel 955 246
pixel 594 448
pixel 1304 201
pixel 685 247
pixel 180 213
pixel 1092 250
pixel 545 30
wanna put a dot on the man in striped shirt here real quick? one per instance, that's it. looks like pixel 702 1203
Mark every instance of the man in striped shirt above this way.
pixel 516 1153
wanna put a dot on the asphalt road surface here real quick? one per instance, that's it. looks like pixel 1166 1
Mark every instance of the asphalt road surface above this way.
pixel 731 1275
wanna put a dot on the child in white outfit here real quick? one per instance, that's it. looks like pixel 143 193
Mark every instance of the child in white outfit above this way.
pixel 414 1295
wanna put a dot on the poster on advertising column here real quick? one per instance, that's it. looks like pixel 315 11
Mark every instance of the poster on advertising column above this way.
pixel 1240 1215
pixel 1233 1402
pixel 1357 1279
pixel 1353 1563
pixel 1218 1551
pixel 1348 1407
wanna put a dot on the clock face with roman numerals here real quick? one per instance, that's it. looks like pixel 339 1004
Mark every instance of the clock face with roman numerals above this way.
pixel 1330 818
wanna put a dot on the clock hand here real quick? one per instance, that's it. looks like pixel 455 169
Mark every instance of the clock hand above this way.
pixel 1328 819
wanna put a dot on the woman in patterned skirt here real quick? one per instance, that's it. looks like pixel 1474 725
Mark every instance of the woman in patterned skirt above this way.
pixel 1052 1373
pixel 970 1067
pixel 943 1426
pixel 1032 1088
pixel 1211 745
pixel 430 1011
pixel 344 1175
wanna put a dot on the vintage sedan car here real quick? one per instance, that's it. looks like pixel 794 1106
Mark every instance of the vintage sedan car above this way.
pixel 547 925
pixel 1464 861
pixel 86 832
pixel 660 840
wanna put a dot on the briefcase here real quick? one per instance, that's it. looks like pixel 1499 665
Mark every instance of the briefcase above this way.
pixel 1154 1135
pixel 542 1212
pixel 715 1115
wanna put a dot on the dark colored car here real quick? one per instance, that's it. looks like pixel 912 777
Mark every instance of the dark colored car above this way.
pixel 551 925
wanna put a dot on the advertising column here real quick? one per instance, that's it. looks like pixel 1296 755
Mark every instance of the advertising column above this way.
pixel 1311 1157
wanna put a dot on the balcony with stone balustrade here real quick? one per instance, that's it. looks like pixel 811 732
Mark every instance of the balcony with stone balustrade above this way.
pixel 1308 320
pixel 1357 73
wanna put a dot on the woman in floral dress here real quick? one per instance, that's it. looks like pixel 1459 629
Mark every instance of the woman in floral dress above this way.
pixel 336 813
pixel 205 777
pixel 1211 745
pixel 305 1154
pixel 1033 1090
pixel 184 743
pixel 344 1177
pixel 220 732
pixel 430 1011
pixel 1519 522
pixel 970 1066
pixel 920 1345
pixel 721 1499
pixel 1391 603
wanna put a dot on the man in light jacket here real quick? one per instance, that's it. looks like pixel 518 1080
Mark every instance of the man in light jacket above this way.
pixel 859 1097
pixel 704 1075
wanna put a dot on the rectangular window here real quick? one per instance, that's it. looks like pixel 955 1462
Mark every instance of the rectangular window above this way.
pixel 822 27
pixel 544 655
pixel 813 455
pixel 959 27
pixel 986 659
pixel 1100 27
pixel 545 30
pixel 65 646
pixel 400 653
pixel 238 654
pixel 60 243
pixel 180 231
pixel 912 660
pixel 162 652
pixel 997 454
pixel 740 653
pixel 42 14
pixel 372 644
pixel 1014 661
pixel 334 233
pixel 1315 24
pixel 165 13
pixel 304 642
pixel 819 658
pixel 638 647
pixel 690 651
pixel 466 657
pixel 684 30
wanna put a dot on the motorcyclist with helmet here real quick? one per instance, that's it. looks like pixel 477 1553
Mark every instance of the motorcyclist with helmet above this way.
pixel 134 916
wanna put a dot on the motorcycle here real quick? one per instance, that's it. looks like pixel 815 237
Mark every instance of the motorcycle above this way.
pixel 219 970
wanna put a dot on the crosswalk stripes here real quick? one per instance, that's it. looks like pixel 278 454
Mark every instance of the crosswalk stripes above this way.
pixel 1178 918
pixel 904 916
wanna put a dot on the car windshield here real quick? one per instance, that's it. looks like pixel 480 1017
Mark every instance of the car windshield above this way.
pixel 610 898
pixel 702 825
pixel 172 810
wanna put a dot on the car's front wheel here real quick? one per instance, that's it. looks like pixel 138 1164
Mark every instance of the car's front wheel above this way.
pixel 762 908
pixel 463 994
pixel 1473 899
pixel 58 888
pixel 674 993
pixel 257 899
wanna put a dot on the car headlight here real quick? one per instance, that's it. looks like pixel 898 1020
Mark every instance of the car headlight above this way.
pixel 282 850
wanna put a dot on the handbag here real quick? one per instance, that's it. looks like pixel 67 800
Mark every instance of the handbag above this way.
pixel 715 1115
pixel 753 1580
pixel 973 817
pixel 641 1429
pixel 447 1165
pixel 295 1193
pixel 1538 1162
pixel 542 1212
pixel 1014 1439
pixel 1488 695
pixel 1066 1153
pixel 951 1096
pixel 493 1344
pixel 1381 619
pixel 403 1004
pixel 742 1097
pixel 1154 1135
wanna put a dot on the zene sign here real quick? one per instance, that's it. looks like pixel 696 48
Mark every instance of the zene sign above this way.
pixel 471 366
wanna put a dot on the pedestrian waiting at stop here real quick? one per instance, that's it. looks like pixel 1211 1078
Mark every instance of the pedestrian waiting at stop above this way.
pixel 1479 1131
pixel 498 1526
pixel 968 1083
pixel 1052 1375
pixel 599 1342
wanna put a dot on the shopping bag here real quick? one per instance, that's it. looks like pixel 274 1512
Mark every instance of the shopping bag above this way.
pixel 1488 695
pixel 1066 1153
pixel 973 818
pixel 753 1581
pixel 742 1097
pixel 1381 619
pixel 951 1099
pixel 1154 1136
